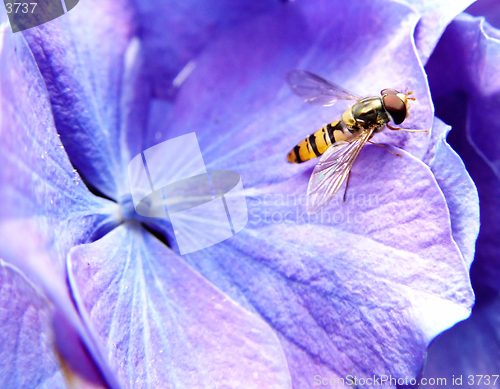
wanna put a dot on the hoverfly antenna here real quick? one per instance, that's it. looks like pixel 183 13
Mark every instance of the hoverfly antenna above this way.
pixel 408 93
pixel 410 98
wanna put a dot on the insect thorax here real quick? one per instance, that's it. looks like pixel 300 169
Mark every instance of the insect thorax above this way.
pixel 365 114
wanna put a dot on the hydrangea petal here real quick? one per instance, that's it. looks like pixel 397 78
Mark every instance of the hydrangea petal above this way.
pixel 485 270
pixel 24 247
pixel 470 50
pixel 175 32
pixel 40 348
pixel 436 15
pixel 466 97
pixel 485 88
pixel 45 209
pixel 351 287
pixel 38 184
pixel 88 61
pixel 470 348
pixel 458 189
pixel 28 356
pixel 307 277
pixel 172 43
pixel 485 273
pixel 163 323
pixel 79 368
pixel 490 9
pixel 244 114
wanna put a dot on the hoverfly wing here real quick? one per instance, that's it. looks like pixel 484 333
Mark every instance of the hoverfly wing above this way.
pixel 332 170
pixel 316 90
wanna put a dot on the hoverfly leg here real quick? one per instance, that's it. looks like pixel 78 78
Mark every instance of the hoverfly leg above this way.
pixel 346 184
pixel 385 147
pixel 404 129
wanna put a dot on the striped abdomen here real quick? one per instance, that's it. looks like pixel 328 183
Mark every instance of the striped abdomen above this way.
pixel 316 144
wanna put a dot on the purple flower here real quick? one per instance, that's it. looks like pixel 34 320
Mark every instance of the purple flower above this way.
pixel 463 75
pixel 291 300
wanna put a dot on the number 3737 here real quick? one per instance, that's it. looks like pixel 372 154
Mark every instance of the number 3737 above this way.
pixel 20 7
pixel 486 379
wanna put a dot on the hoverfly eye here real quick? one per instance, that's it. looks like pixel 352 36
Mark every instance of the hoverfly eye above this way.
pixel 396 107
pixel 389 91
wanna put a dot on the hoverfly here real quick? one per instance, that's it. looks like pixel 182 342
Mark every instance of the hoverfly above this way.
pixel 340 142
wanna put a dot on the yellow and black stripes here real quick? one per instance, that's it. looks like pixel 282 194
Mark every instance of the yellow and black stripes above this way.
pixel 316 144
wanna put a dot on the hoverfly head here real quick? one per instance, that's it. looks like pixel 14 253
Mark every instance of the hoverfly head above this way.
pixel 396 104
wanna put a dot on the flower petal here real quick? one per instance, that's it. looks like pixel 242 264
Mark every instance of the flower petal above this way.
pixel 27 353
pixel 471 347
pixel 436 15
pixel 26 249
pixel 490 9
pixel 470 52
pixel 163 323
pixel 244 115
pixel 88 59
pixel 458 189
pixel 45 209
pixel 174 33
pixel 358 289
pixel 37 183
pixel 309 277
pixel 79 368
pixel 466 92
pixel 481 73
